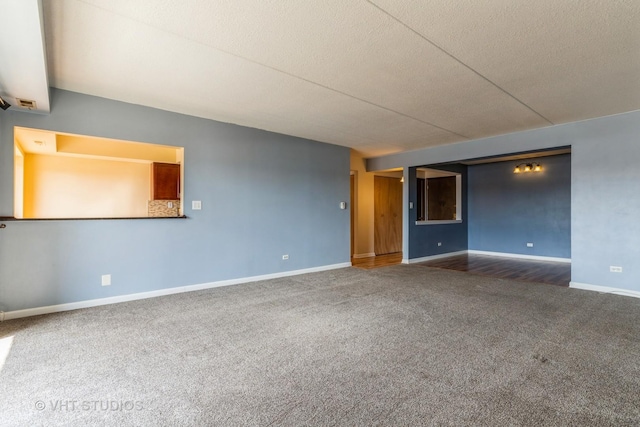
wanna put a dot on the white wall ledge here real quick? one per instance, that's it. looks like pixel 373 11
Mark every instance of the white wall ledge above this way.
pixel 446 221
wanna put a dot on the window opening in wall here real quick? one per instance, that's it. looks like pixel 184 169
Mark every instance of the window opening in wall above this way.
pixel 60 175
pixel 439 196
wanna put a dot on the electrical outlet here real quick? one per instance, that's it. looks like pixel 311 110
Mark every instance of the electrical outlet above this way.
pixel 196 205
pixel 439 243
pixel 529 245
pixel 106 280
pixel 285 257
pixel 615 269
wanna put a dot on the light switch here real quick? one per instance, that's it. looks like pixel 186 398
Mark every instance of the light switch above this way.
pixel 196 205
pixel 410 205
pixel 343 205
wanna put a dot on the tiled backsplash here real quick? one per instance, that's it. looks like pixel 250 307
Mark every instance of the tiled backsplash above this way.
pixel 160 208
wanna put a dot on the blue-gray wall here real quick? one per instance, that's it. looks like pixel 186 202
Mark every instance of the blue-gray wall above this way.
pixel 605 176
pixel 424 239
pixel 263 195
pixel 605 211
pixel 507 210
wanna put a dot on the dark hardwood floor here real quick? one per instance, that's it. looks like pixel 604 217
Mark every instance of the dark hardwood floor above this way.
pixel 377 261
pixel 552 273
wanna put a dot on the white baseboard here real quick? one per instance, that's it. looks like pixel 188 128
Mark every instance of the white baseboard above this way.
pixel 604 289
pixel 160 292
pixel 498 254
pixel 364 255
pixel 520 256
pixel 430 257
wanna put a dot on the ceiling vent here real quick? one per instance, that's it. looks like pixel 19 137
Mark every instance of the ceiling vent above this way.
pixel 26 103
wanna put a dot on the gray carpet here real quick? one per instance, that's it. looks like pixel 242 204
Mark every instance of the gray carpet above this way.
pixel 403 345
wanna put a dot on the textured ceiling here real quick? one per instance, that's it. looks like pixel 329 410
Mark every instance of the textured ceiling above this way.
pixel 380 76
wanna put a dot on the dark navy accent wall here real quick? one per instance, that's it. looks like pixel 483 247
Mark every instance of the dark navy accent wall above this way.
pixel 507 210
pixel 423 239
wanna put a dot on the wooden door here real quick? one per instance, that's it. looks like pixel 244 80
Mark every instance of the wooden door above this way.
pixel 352 213
pixel 387 208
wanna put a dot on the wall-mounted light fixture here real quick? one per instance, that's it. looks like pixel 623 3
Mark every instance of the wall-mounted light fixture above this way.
pixel 528 167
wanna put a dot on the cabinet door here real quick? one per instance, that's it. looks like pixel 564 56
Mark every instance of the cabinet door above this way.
pixel 165 181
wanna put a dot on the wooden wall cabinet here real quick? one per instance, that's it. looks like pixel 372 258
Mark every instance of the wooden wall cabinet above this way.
pixel 165 181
